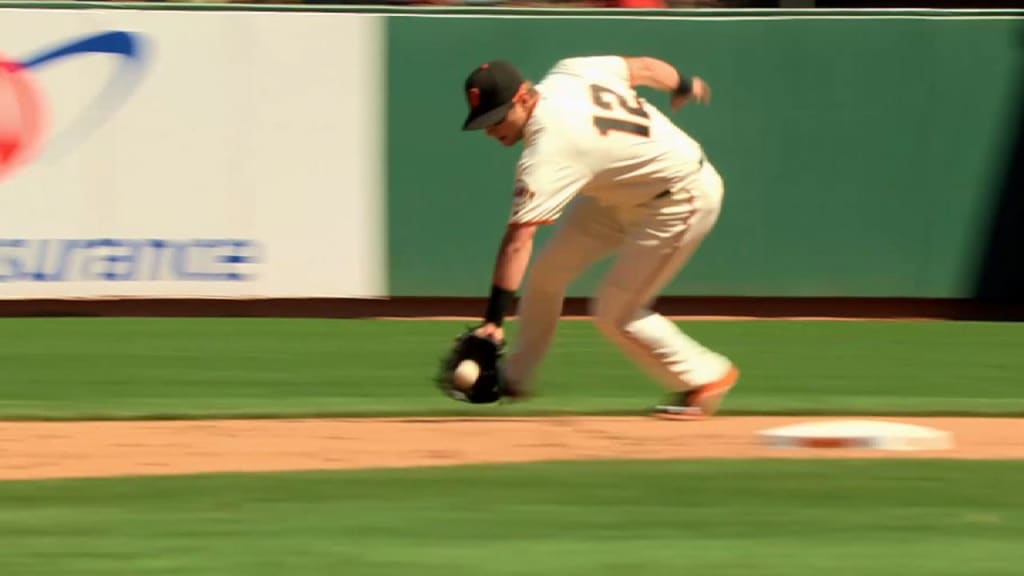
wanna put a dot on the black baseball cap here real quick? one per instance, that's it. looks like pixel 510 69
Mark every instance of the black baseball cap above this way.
pixel 489 91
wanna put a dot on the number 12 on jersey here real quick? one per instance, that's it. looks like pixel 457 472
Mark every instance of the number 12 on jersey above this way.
pixel 632 118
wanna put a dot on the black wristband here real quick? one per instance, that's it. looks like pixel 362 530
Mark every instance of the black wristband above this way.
pixel 498 305
pixel 685 87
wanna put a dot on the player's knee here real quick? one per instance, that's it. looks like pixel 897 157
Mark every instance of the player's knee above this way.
pixel 608 310
pixel 542 287
pixel 549 276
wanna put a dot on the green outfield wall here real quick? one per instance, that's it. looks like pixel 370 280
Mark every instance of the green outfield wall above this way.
pixel 862 156
pixel 865 153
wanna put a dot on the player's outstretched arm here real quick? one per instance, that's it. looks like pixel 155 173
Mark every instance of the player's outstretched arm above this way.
pixel 509 269
pixel 660 75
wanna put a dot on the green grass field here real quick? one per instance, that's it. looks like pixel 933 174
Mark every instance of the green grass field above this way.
pixel 184 368
pixel 590 519
pixel 713 517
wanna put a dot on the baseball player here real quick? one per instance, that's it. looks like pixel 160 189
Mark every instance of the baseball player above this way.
pixel 619 177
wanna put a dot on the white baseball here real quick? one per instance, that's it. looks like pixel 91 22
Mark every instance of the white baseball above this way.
pixel 466 374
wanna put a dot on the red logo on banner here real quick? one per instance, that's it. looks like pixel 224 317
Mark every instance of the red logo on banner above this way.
pixel 21 117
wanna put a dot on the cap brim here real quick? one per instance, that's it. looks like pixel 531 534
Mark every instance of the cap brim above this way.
pixel 487 119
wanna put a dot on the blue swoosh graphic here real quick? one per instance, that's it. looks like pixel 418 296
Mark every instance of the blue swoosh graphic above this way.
pixel 122 83
pixel 121 43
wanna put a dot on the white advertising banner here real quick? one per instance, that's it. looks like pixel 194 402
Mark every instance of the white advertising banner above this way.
pixel 191 154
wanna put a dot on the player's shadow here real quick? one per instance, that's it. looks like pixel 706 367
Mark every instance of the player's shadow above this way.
pixel 999 288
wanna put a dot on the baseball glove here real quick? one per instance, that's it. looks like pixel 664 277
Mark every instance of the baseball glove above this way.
pixel 487 354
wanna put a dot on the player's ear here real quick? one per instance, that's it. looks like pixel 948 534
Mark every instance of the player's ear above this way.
pixel 524 92
pixel 520 93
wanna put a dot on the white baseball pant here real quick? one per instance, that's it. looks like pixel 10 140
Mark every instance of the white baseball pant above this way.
pixel 654 242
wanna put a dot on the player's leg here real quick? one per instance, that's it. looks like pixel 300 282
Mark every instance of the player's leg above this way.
pixel 586 234
pixel 665 238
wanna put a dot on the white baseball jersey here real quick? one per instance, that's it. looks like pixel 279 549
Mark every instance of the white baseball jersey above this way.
pixel 590 133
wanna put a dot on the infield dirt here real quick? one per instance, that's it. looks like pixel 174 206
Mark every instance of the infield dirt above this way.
pixel 32 450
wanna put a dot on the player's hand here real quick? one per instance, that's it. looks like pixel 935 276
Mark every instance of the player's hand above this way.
pixel 701 93
pixel 491 331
